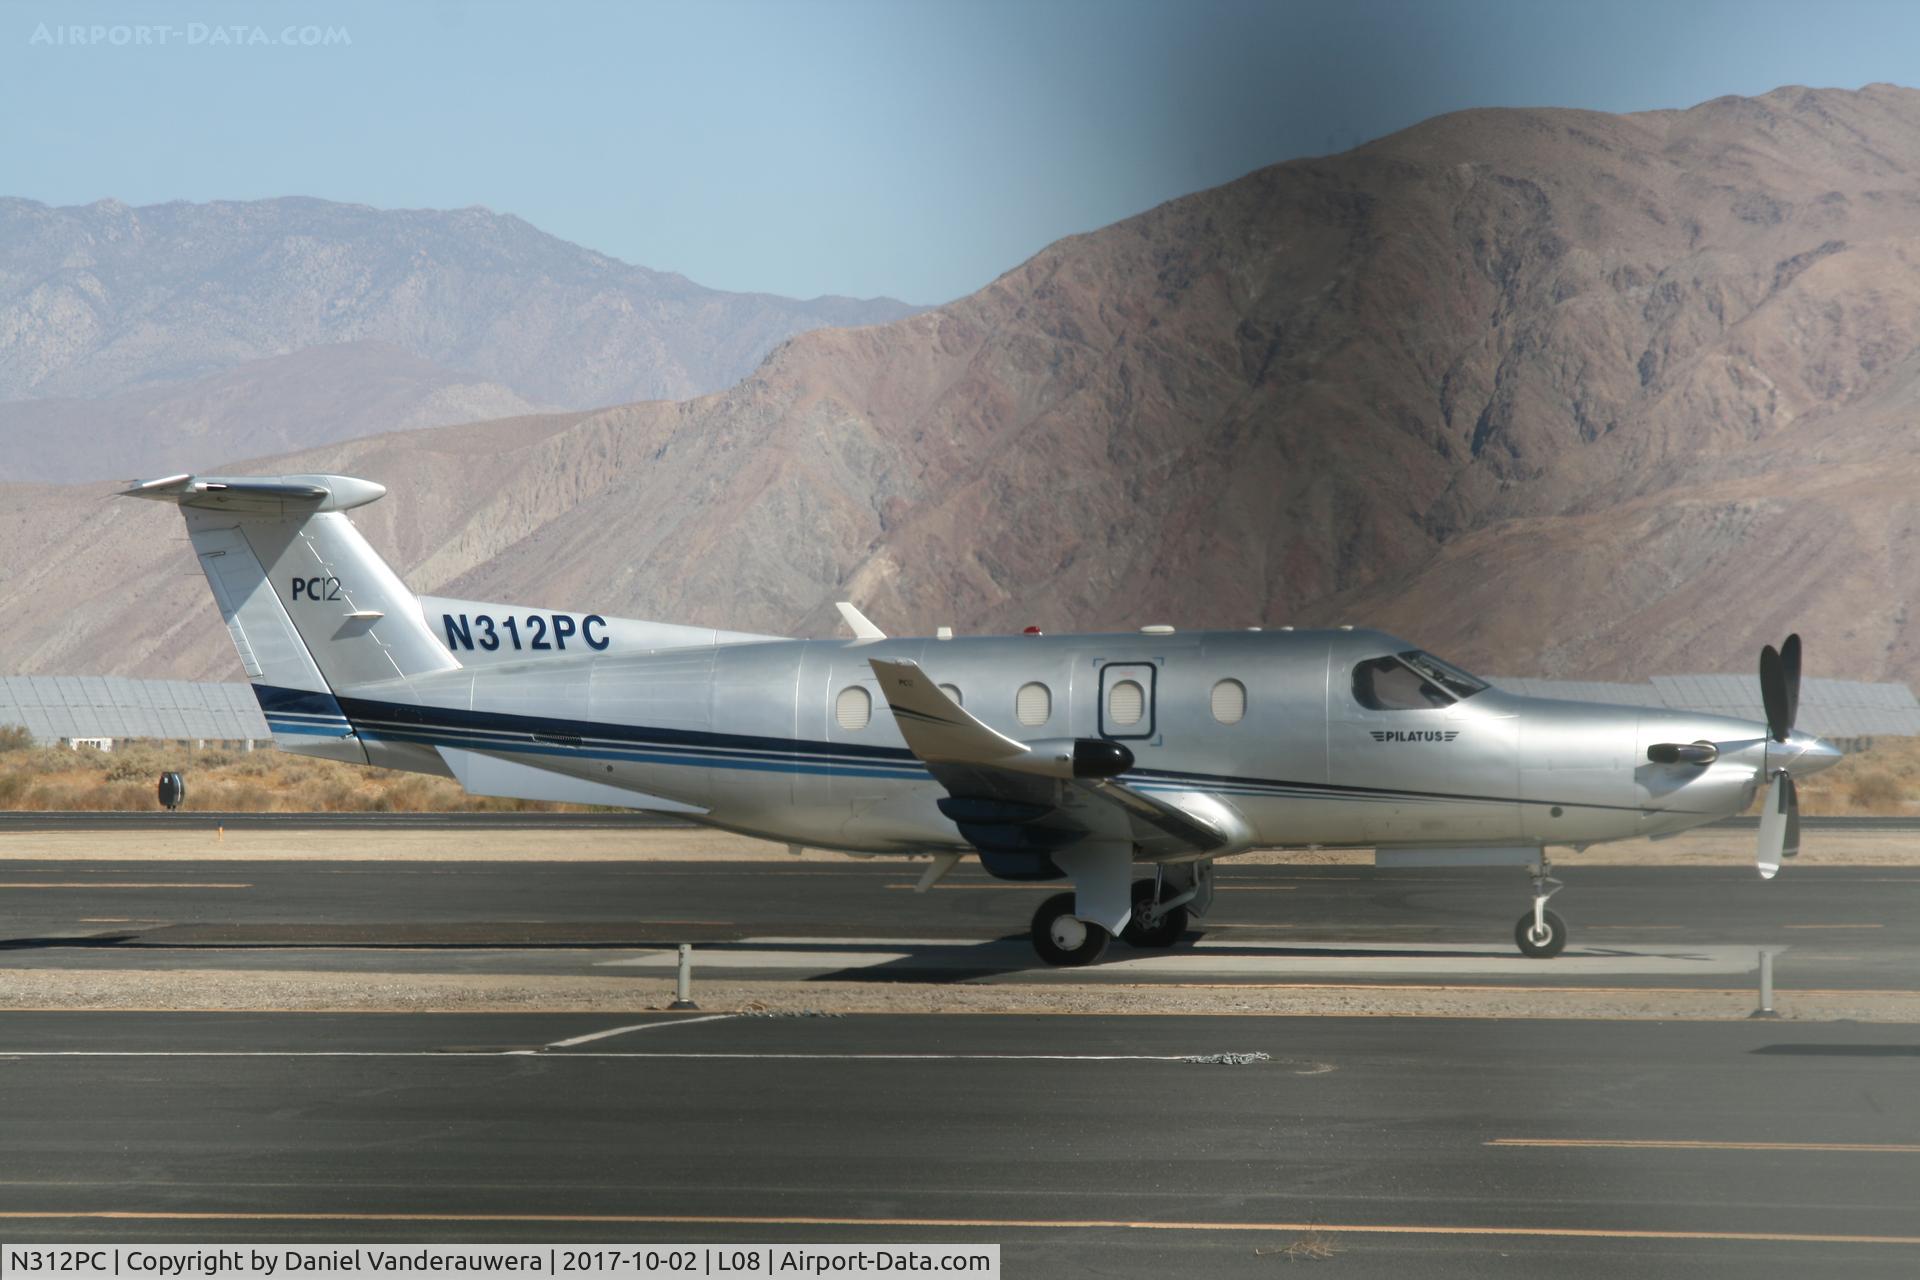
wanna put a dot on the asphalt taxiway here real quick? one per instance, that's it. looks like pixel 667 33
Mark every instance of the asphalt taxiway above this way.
pixel 1084 1145
pixel 1221 1144
pixel 1830 928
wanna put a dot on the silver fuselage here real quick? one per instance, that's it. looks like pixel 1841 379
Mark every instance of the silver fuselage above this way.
pixel 751 733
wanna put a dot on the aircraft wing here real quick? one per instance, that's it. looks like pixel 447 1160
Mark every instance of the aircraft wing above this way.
pixel 1034 797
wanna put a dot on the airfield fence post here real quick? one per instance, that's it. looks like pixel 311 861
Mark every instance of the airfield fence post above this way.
pixel 1766 1009
pixel 683 982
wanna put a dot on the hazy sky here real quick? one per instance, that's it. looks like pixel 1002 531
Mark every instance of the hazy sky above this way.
pixel 909 148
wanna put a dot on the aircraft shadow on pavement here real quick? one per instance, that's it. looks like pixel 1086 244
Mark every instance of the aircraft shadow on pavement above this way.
pixel 1012 955
pixel 91 940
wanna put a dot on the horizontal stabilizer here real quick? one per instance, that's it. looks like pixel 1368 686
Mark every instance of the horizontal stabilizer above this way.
pixel 485 775
pixel 259 495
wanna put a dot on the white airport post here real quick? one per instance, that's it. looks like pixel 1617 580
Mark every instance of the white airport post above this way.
pixel 683 985
pixel 1766 1009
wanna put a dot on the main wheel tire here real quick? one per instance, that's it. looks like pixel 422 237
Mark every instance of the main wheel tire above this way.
pixel 1062 938
pixel 1163 934
pixel 1541 948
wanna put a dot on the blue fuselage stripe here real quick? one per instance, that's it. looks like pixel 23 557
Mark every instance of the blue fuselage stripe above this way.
pixel 515 734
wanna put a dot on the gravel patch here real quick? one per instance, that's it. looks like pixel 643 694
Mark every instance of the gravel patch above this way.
pixel 253 990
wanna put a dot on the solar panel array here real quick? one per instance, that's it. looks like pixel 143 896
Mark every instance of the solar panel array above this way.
pixel 54 708
pixel 1830 708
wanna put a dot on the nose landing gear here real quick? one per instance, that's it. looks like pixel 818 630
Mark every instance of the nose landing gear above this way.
pixel 1541 933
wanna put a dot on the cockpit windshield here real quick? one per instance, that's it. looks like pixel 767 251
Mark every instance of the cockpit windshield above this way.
pixel 1412 681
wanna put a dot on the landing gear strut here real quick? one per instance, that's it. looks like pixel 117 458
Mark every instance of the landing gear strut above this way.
pixel 1163 906
pixel 1541 933
pixel 1159 912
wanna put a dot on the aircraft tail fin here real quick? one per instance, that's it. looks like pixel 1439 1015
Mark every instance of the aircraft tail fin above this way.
pixel 313 610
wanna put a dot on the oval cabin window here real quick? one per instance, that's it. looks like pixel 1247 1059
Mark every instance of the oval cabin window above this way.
pixel 853 708
pixel 1033 705
pixel 1126 703
pixel 953 691
pixel 1229 702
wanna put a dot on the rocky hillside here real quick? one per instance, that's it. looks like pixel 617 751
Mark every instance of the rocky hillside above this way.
pixel 311 397
pixel 1550 391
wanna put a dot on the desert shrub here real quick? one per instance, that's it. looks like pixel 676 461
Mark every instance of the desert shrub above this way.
pixel 15 737
pixel 332 795
pixel 133 768
pixel 45 760
pixel 1876 791
pixel 253 764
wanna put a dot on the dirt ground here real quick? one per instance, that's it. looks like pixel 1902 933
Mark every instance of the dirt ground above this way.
pixel 263 990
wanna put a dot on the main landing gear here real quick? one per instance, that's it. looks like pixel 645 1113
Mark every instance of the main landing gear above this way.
pixel 1541 933
pixel 1163 906
pixel 1062 938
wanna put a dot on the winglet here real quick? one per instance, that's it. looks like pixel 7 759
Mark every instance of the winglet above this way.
pixel 935 727
pixel 857 622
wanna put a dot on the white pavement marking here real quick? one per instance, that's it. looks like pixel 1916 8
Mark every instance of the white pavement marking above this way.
pixel 638 1026
pixel 1301 959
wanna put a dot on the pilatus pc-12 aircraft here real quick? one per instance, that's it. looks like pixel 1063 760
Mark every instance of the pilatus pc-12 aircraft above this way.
pixel 1071 757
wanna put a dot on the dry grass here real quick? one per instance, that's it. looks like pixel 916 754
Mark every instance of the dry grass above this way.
pixel 262 781
pixel 1884 780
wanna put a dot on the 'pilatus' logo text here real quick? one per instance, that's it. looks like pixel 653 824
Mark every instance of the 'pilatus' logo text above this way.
pixel 1414 735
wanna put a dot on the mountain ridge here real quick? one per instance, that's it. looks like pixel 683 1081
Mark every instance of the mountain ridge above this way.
pixel 1547 391
pixel 98 299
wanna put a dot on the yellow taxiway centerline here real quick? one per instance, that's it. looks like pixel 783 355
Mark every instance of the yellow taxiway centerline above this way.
pixel 1833 926
pixel 117 884
pixel 994 1224
pixel 1701 1144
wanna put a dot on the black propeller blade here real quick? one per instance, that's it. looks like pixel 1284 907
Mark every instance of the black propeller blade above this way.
pixel 1780 816
pixel 1773 692
pixel 1790 666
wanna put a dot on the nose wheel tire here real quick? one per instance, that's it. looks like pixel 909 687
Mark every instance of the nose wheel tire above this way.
pixel 1164 933
pixel 1062 938
pixel 1541 944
